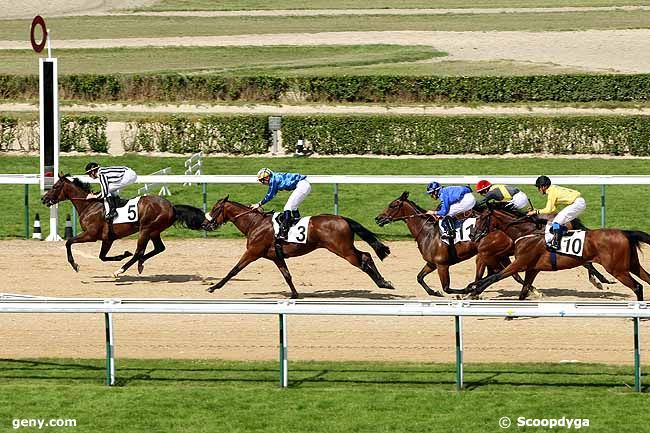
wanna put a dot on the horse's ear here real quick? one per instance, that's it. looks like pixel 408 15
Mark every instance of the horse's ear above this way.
pixel 61 175
pixel 404 196
pixel 226 197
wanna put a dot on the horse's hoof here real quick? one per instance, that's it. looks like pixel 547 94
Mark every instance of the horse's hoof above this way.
pixel 388 285
pixel 127 254
pixel 118 272
pixel 211 289
pixel 437 294
pixel 140 268
pixel 75 267
pixel 534 293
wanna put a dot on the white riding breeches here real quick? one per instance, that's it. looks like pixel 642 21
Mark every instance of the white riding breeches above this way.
pixel 466 203
pixel 128 178
pixel 520 201
pixel 303 188
pixel 566 215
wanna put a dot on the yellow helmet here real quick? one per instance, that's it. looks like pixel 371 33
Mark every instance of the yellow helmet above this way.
pixel 264 173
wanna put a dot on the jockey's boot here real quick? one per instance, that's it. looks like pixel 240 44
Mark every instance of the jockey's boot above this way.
pixel 557 236
pixel 449 232
pixel 285 223
pixel 295 214
pixel 112 207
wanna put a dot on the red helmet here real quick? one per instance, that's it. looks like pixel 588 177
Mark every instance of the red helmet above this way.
pixel 483 185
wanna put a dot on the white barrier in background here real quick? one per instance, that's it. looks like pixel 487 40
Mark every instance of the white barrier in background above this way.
pixel 283 308
pixel 164 190
pixel 193 166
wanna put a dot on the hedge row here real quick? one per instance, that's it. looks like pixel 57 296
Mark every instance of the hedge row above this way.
pixel 212 134
pixel 336 135
pixel 176 87
pixel 425 135
pixel 78 133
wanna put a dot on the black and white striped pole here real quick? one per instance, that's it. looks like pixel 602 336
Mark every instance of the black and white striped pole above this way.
pixel 49 117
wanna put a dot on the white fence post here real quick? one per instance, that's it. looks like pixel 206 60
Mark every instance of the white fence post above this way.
pixel 164 190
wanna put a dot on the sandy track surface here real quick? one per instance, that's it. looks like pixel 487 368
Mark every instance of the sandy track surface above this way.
pixel 187 266
pixel 595 50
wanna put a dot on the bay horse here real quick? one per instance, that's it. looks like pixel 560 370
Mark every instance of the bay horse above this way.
pixel 437 255
pixel 332 232
pixel 616 250
pixel 156 214
pixel 492 255
pixel 514 224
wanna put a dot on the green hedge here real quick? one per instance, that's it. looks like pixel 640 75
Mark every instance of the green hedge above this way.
pixel 212 134
pixel 78 133
pixel 177 87
pixel 487 135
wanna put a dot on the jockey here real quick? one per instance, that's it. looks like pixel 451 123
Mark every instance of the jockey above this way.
pixel 453 200
pixel 284 182
pixel 511 195
pixel 576 205
pixel 111 180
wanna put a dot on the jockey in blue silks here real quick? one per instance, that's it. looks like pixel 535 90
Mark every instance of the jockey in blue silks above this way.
pixel 284 182
pixel 453 201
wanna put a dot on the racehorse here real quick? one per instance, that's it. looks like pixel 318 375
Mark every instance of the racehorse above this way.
pixel 493 242
pixel 615 250
pixel 156 214
pixel 333 232
pixel 437 254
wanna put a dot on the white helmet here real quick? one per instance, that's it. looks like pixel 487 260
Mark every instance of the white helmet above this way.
pixel 264 173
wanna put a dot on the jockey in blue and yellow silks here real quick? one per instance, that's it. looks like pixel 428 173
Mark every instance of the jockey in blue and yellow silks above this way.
pixel 284 182
pixel 453 200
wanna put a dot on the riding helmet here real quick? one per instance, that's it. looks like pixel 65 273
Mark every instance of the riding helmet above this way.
pixel 542 181
pixel 482 185
pixel 91 166
pixel 264 173
pixel 433 188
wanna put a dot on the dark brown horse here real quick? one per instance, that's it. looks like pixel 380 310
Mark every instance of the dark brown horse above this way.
pixel 494 243
pixel 333 232
pixel 437 255
pixel 156 214
pixel 615 250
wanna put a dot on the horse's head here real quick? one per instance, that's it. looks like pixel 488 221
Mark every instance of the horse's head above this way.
pixel 216 216
pixel 57 193
pixel 483 224
pixel 395 210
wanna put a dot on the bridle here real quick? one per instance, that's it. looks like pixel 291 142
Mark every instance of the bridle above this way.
pixel 392 218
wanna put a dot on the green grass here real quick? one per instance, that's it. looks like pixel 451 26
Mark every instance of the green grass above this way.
pixel 223 60
pixel 360 202
pixel 220 396
pixel 187 5
pixel 112 27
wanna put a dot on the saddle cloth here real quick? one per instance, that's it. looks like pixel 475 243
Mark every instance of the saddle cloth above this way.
pixel 297 232
pixel 463 229
pixel 128 213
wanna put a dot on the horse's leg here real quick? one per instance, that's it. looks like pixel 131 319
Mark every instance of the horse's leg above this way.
pixel 368 266
pixel 443 274
pixel 426 270
pixel 158 247
pixel 478 287
pixel 143 240
pixel 596 278
pixel 624 277
pixel 244 261
pixel 528 288
pixel 282 266
pixel 106 246
pixel 79 239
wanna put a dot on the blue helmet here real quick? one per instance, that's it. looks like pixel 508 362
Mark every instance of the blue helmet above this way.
pixel 434 188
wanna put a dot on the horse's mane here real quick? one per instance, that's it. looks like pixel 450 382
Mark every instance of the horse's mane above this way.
pixel 508 210
pixel 83 185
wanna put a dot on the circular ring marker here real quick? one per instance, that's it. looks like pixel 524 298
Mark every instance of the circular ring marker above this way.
pixel 38 21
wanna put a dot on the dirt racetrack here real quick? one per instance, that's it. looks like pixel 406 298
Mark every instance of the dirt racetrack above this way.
pixel 184 270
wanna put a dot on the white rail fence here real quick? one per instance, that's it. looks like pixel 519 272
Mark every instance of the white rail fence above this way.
pixel 283 308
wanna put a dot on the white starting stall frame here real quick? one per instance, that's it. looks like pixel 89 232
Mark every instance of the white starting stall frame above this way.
pixel 283 308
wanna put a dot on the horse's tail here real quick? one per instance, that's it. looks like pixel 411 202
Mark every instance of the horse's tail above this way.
pixel 188 216
pixel 382 250
pixel 635 237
